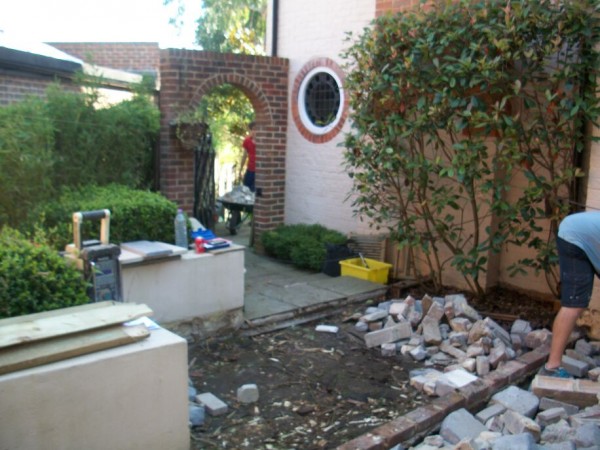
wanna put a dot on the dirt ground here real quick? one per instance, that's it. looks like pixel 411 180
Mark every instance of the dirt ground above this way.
pixel 317 390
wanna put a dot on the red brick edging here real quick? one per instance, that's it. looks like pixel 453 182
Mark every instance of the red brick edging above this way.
pixel 425 419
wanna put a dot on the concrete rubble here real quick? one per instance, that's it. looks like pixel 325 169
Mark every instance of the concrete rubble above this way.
pixel 454 342
pixel 239 195
pixel 457 346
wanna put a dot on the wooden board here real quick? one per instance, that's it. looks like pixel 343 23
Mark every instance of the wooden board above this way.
pixel 34 354
pixel 72 322
pixel 55 312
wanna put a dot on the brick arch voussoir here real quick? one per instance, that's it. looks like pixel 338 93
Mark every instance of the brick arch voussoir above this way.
pixel 251 89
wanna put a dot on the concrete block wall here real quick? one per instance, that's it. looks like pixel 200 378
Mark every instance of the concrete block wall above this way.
pixel 137 57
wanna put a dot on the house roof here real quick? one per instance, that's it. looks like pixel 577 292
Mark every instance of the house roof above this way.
pixel 43 58
pixel 35 56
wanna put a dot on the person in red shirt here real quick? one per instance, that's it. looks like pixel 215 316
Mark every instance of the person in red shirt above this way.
pixel 250 157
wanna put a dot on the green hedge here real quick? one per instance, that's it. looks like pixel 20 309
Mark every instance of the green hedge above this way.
pixel 135 215
pixel 35 278
pixel 26 159
pixel 64 140
pixel 301 244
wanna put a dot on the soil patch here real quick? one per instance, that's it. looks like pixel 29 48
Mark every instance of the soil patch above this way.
pixel 317 390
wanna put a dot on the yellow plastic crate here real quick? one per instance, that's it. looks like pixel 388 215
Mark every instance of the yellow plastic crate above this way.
pixel 377 271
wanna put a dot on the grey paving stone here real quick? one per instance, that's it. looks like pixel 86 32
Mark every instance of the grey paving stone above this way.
pixel 522 441
pixel 489 412
pixel 587 435
pixel 574 366
pixel 248 393
pixel 517 399
pixel 214 406
pixel 548 403
pixel 459 425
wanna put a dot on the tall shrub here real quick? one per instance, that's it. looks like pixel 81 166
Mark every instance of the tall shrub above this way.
pixel 26 159
pixel 449 102
pixel 65 141
pixel 102 146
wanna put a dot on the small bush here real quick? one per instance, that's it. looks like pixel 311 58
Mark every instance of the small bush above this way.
pixel 135 215
pixel 302 245
pixel 35 278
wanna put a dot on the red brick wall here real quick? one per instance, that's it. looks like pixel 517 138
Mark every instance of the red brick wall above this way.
pixel 186 76
pixel 140 57
pixel 15 86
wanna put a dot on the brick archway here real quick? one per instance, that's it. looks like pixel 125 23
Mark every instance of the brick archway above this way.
pixel 185 77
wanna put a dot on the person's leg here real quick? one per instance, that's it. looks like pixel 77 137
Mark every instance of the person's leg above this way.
pixel 564 323
pixel 577 280
pixel 249 180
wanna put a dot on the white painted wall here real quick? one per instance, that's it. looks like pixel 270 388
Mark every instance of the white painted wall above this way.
pixel 316 183
pixel 196 285
pixel 132 397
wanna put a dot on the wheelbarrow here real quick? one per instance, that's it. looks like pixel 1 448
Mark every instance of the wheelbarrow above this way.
pixel 237 213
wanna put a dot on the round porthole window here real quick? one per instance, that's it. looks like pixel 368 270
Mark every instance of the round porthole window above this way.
pixel 318 103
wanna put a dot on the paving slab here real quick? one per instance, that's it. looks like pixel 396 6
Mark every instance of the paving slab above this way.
pixel 257 305
pixel 279 290
pixel 298 294
pixel 347 285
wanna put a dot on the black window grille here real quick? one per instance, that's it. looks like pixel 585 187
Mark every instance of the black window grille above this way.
pixel 322 99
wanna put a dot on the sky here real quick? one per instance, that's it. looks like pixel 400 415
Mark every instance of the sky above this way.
pixel 98 21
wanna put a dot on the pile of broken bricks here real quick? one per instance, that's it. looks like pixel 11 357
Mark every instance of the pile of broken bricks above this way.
pixel 478 367
pixel 446 332
pixel 516 418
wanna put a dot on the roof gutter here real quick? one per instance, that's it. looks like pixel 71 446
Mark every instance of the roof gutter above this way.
pixel 275 27
pixel 31 62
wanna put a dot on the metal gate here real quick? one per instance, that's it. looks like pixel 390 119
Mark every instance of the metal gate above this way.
pixel 204 179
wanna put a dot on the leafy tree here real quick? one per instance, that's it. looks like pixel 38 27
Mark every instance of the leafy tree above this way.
pixel 230 26
pixel 236 26
pixel 450 104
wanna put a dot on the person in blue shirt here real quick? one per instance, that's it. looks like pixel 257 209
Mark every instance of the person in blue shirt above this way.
pixel 578 245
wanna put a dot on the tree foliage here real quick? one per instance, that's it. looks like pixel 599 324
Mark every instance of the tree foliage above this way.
pixel 233 26
pixel 450 105
pixel 229 26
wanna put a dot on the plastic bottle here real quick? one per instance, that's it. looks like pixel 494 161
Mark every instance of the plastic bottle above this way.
pixel 181 236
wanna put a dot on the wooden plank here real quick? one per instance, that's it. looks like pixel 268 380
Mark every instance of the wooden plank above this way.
pixel 34 354
pixel 49 327
pixel 55 312
pixel 581 392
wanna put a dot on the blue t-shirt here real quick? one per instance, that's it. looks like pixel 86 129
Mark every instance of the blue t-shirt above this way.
pixel 583 230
